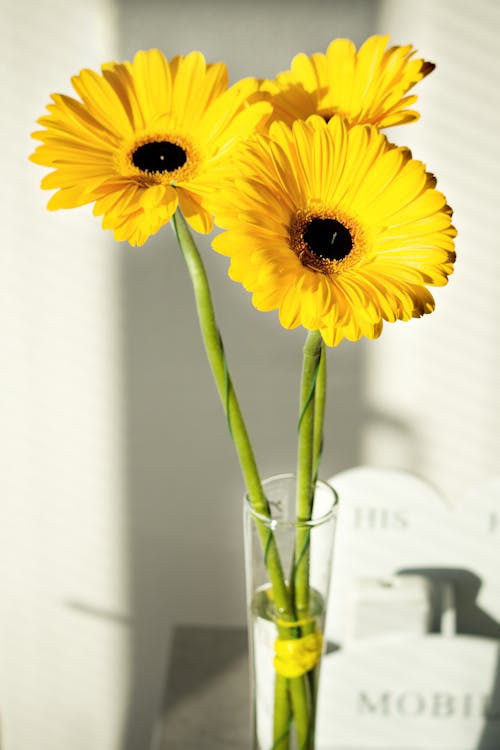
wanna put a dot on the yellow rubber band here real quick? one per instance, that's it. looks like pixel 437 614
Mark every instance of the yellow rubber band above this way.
pixel 295 657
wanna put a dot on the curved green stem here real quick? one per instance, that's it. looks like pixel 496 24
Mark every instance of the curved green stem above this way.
pixel 282 714
pixel 319 413
pixel 305 465
pixel 215 354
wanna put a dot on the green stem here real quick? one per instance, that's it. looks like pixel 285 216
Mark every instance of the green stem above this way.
pixel 319 413
pixel 302 710
pixel 312 400
pixel 305 464
pixel 215 354
pixel 282 714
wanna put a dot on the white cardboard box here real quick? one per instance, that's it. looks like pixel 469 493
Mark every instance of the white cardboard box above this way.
pixel 409 669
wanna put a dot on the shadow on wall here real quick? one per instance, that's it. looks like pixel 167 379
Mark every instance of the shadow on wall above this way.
pixel 183 482
pixel 472 620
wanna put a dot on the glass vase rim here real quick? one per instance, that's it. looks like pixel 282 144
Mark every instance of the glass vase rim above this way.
pixel 274 523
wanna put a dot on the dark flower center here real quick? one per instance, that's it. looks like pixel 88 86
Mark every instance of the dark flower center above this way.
pixel 328 239
pixel 159 156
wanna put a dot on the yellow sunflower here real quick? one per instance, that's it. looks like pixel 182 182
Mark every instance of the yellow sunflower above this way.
pixel 147 136
pixel 365 86
pixel 335 227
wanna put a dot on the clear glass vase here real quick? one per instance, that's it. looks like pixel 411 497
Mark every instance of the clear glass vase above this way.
pixel 288 565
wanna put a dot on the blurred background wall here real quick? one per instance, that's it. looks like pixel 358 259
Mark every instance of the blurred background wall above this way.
pixel 120 495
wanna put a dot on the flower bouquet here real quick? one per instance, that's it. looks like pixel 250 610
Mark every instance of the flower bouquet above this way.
pixel 322 218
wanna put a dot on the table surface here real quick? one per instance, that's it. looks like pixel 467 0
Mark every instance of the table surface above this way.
pixel 207 693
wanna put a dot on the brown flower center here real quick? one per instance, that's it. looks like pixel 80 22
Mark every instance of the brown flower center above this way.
pixel 327 239
pixel 159 159
pixel 159 156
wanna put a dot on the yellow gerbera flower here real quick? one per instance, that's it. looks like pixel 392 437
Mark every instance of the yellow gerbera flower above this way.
pixel 146 136
pixel 365 86
pixel 335 227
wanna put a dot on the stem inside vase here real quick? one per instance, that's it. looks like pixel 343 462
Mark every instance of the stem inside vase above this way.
pixel 286 646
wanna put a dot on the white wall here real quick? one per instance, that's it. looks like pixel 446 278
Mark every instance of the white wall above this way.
pixel 433 384
pixel 64 599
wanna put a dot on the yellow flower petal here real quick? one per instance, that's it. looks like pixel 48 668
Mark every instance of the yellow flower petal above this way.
pixel 360 233
pixel 197 217
pixel 364 86
pixel 145 135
